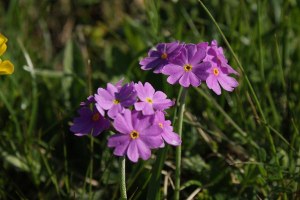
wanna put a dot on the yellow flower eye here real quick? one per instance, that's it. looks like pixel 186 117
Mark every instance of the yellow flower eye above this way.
pixel 149 100
pixel 134 134
pixel 188 67
pixel 216 71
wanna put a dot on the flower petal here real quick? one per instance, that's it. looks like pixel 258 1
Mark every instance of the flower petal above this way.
pixel 123 123
pixel 132 151
pixel 151 131
pixel 115 110
pixel 162 104
pixel 216 87
pixel 199 56
pixel 152 142
pixel 141 122
pixel 120 142
pixel 112 89
pixel 194 80
pixel 139 106
pixel 200 70
pixel 191 50
pixel 121 149
pixel 159 95
pixel 100 125
pixel 151 63
pixel 184 80
pixel 117 139
pixel 144 150
pixel 209 81
pixel 104 99
pixel 149 90
pixel 227 82
pixel 148 109
pixel 171 138
pixel 144 91
pixel 172 69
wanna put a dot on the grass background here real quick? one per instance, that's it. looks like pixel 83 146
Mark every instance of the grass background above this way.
pixel 64 50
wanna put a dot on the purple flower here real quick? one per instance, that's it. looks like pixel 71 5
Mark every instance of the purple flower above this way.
pixel 89 122
pixel 137 136
pixel 115 98
pixel 166 129
pixel 218 73
pixel 164 53
pixel 215 54
pixel 217 76
pixel 150 100
pixel 188 68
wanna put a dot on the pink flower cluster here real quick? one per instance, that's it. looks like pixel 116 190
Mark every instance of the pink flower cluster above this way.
pixel 135 111
pixel 190 64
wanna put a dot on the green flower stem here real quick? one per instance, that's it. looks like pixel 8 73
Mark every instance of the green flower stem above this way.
pixel 178 149
pixel 122 178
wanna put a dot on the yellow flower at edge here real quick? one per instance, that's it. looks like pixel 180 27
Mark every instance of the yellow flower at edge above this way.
pixel 6 67
pixel 3 46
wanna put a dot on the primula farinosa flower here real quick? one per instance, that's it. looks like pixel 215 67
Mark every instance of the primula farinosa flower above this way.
pixel 150 100
pixel 217 76
pixel 188 68
pixel 137 136
pixel 215 54
pixel 89 122
pixel 6 67
pixel 166 129
pixel 115 98
pixel 218 73
pixel 164 53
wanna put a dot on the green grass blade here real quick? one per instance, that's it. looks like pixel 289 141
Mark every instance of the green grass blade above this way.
pixel 35 101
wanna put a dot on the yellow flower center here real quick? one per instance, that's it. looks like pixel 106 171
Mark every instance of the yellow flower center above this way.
pixel 188 67
pixel 149 100
pixel 160 125
pixel 134 134
pixel 216 71
pixel 96 117
pixel 164 56
pixel 116 101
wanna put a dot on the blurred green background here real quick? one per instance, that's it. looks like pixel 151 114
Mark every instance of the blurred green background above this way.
pixel 64 50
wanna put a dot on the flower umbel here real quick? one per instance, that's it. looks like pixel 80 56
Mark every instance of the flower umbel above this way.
pixel 218 73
